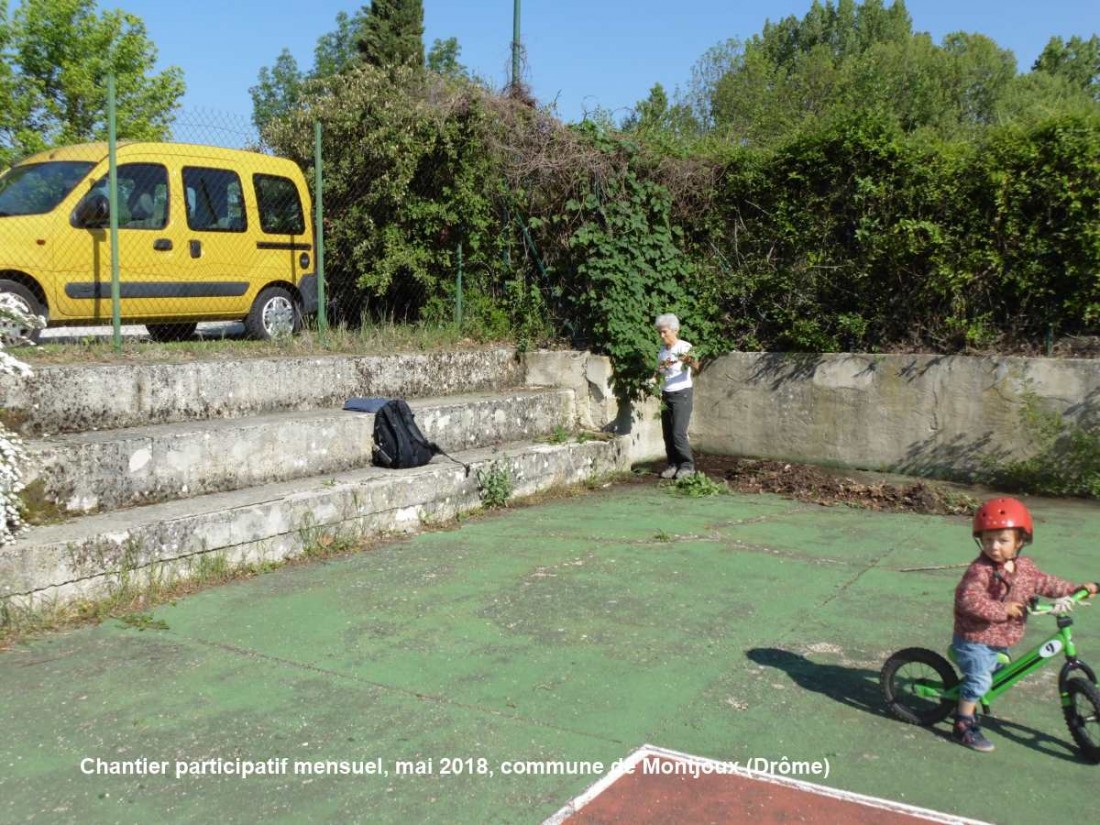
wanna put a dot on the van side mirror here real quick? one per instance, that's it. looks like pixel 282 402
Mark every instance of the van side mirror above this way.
pixel 93 212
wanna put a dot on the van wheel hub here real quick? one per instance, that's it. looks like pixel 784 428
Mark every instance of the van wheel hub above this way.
pixel 279 317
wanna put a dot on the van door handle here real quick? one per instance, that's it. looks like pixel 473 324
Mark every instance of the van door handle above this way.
pixel 162 244
pixel 196 249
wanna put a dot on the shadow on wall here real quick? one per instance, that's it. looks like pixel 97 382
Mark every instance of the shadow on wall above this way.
pixel 778 368
pixel 1086 414
pixel 957 457
pixel 1058 441
pixel 918 367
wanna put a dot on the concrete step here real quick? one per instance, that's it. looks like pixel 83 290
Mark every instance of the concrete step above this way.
pixel 85 397
pixel 92 556
pixel 96 471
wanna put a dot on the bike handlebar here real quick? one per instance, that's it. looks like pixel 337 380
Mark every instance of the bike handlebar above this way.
pixel 1037 609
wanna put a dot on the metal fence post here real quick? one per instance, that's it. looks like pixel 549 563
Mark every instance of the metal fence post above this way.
pixel 319 231
pixel 112 195
pixel 458 291
pixel 515 43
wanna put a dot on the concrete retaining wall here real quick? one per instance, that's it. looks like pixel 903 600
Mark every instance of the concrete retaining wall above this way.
pixel 917 414
pixel 87 397
pixel 87 472
pixel 597 408
pixel 96 555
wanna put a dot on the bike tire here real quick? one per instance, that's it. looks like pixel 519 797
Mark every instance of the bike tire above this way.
pixel 912 666
pixel 1082 715
pixel 1074 669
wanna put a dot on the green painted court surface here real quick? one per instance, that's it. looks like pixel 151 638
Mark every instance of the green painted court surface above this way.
pixel 731 627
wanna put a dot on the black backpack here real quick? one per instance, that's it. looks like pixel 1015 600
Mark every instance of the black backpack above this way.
pixel 398 442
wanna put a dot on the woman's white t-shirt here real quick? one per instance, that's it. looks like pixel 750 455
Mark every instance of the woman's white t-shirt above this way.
pixel 675 373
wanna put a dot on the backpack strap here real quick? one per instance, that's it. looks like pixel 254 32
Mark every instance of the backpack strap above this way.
pixel 436 449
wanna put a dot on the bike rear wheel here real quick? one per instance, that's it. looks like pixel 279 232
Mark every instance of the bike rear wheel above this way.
pixel 912 682
pixel 1082 712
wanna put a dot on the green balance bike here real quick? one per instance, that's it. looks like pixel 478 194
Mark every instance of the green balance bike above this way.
pixel 922 688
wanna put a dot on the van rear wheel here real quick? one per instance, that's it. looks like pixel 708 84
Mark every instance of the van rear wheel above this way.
pixel 11 332
pixel 275 314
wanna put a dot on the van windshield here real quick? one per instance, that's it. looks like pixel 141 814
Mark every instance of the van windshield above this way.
pixel 37 188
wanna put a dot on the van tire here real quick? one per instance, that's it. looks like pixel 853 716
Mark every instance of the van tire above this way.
pixel 165 333
pixel 30 305
pixel 275 314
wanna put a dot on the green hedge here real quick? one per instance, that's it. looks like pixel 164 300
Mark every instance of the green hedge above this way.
pixel 851 236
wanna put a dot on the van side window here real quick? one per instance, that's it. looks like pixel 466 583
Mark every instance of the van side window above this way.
pixel 279 204
pixel 142 195
pixel 37 188
pixel 214 200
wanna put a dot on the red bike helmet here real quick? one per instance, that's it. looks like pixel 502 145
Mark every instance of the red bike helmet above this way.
pixel 999 513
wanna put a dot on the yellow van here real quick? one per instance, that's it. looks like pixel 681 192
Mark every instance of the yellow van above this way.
pixel 204 234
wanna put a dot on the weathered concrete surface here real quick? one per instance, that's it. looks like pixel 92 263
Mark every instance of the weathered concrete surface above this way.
pixel 589 376
pixel 86 397
pixel 88 472
pixel 738 627
pixel 918 414
pixel 88 557
pixel 265 423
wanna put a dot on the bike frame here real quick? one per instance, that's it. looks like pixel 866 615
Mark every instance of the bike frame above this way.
pixel 1008 675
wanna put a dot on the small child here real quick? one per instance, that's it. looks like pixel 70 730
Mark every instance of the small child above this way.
pixel 991 605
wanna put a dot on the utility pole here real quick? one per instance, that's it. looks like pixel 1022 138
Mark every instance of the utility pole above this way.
pixel 515 43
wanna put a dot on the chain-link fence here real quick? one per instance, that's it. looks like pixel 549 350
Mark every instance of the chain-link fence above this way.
pixel 132 237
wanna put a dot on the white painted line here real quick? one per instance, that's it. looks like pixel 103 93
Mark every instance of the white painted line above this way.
pixel 714 766
pixel 625 766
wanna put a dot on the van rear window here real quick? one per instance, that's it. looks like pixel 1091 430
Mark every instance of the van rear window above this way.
pixel 37 188
pixel 280 206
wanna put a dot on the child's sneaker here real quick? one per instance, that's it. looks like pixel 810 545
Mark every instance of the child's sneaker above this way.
pixel 966 732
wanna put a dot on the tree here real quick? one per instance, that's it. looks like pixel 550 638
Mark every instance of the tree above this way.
pixel 280 87
pixel 338 50
pixel 843 57
pixel 980 73
pixel 797 70
pixel 1077 61
pixel 657 117
pixel 716 62
pixel 443 58
pixel 9 117
pixel 60 54
pixel 393 34
pixel 278 91
pixel 650 113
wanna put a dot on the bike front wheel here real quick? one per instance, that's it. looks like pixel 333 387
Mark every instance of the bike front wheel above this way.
pixel 1082 711
pixel 913 683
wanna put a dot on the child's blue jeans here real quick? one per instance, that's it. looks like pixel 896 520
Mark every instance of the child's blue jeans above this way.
pixel 977 662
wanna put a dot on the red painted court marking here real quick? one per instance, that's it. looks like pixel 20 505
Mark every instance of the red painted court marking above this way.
pixel 655 786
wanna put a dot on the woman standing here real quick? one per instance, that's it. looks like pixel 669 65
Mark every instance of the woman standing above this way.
pixel 674 366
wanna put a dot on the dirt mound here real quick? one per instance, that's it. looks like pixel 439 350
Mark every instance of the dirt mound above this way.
pixel 828 487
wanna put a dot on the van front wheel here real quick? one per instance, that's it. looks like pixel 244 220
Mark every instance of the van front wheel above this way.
pixel 274 314
pixel 12 332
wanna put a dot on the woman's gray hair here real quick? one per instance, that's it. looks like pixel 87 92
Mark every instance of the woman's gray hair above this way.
pixel 668 320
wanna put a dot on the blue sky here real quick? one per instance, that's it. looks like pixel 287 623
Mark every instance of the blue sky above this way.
pixel 580 53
